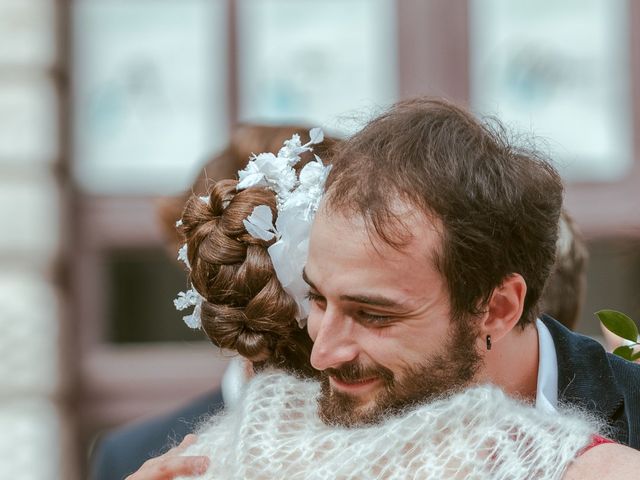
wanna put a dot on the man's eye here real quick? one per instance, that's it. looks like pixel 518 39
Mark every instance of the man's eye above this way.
pixel 374 319
pixel 314 297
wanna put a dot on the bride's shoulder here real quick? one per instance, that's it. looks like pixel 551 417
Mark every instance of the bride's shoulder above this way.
pixel 276 385
pixel 273 395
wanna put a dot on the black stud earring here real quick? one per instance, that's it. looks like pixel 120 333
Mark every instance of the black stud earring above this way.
pixel 488 342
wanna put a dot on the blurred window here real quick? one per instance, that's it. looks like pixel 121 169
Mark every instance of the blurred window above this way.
pixel 560 70
pixel 142 284
pixel 149 92
pixel 330 63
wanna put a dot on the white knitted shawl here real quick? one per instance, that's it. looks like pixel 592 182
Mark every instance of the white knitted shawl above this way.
pixel 275 433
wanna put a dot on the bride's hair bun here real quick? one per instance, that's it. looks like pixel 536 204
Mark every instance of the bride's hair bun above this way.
pixel 245 307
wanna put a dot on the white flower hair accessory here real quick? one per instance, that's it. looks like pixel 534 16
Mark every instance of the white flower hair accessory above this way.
pixel 190 298
pixel 298 198
pixel 298 202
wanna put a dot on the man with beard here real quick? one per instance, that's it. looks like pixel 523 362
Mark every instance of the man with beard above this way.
pixel 427 259
pixel 380 322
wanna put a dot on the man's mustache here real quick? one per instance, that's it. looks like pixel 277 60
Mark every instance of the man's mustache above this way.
pixel 353 372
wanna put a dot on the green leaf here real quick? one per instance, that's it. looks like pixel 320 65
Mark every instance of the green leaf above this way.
pixel 625 352
pixel 635 356
pixel 619 324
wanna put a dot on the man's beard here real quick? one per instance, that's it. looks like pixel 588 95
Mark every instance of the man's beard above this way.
pixel 446 372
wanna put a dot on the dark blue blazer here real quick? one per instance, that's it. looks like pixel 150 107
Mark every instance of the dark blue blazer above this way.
pixel 598 381
pixel 124 450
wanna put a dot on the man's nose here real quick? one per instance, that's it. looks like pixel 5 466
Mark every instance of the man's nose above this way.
pixel 335 342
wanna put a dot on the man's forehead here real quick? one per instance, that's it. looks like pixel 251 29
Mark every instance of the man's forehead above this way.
pixel 347 257
pixel 405 228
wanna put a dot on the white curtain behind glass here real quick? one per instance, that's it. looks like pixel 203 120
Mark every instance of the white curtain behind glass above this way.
pixel 561 71
pixel 149 92
pixel 331 63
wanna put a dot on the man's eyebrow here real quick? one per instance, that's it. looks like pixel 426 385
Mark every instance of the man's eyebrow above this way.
pixel 306 279
pixel 375 300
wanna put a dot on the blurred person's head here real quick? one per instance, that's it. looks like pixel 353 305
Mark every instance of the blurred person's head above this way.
pixel 565 290
pixel 245 307
pixel 427 259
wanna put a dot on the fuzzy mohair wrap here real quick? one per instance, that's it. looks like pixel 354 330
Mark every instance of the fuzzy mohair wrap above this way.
pixel 274 433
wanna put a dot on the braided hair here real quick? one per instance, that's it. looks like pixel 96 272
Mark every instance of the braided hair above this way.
pixel 245 307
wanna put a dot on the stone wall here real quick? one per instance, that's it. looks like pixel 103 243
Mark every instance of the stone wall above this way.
pixel 34 442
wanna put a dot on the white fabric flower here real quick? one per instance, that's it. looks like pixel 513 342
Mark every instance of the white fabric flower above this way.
pixel 284 182
pixel 288 260
pixel 251 176
pixel 316 135
pixel 313 173
pixel 186 299
pixel 289 255
pixel 309 193
pixel 194 320
pixel 267 170
pixel 260 223
pixel 292 149
pixel 182 256
pixel 190 298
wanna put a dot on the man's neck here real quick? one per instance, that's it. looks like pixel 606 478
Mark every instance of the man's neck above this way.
pixel 513 363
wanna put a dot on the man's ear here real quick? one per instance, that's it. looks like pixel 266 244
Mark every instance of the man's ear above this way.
pixel 505 307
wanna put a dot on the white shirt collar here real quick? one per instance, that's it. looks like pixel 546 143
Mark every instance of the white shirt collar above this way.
pixel 547 390
pixel 233 380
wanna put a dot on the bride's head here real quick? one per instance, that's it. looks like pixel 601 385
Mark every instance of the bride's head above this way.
pixel 245 307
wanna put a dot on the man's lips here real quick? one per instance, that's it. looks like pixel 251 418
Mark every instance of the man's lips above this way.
pixel 354 386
